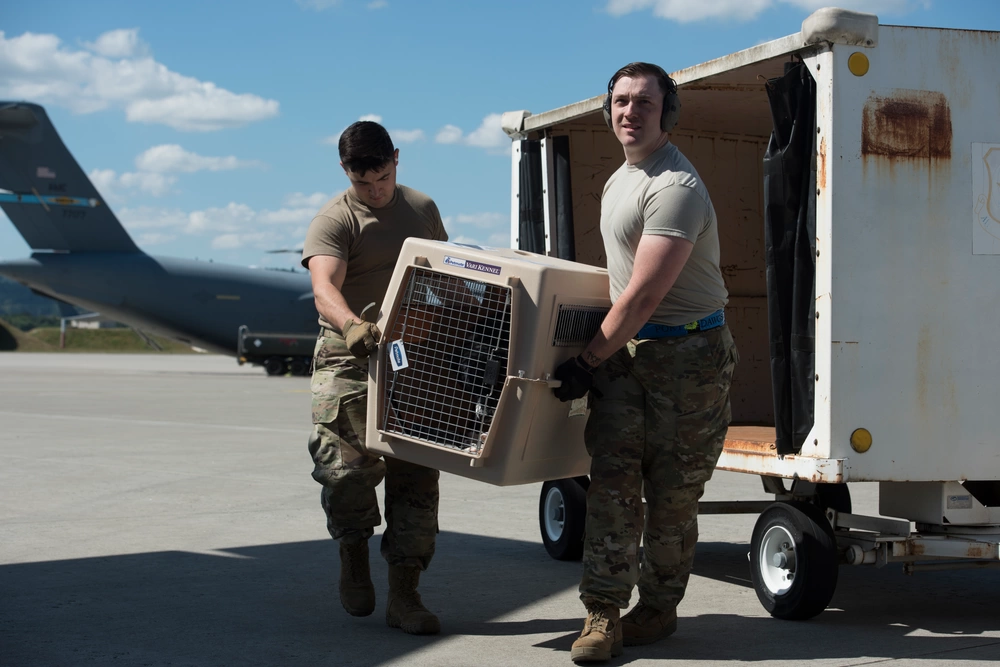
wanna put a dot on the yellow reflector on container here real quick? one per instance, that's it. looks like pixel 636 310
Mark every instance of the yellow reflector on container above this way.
pixel 858 63
pixel 861 440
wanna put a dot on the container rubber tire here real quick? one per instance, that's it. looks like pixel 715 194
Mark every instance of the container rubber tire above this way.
pixel 562 514
pixel 793 560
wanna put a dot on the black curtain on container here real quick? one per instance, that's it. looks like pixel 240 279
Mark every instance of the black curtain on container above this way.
pixel 530 211
pixel 790 253
pixel 566 247
pixel 531 203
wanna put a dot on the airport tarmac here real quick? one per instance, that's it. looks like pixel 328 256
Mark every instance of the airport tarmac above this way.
pixel 158 510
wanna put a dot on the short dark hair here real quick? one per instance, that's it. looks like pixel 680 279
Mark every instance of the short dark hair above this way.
pixel 632 70
pixel 365 146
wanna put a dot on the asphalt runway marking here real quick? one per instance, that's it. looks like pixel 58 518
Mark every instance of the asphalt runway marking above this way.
pixel 148 422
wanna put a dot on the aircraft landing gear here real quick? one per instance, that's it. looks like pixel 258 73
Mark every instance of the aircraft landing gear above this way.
pixel 275 366
pixel 299 366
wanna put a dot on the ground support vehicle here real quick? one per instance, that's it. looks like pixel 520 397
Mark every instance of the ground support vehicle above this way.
pixel 278 353
pixel 865 319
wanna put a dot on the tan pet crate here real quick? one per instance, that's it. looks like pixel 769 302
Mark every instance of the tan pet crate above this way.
pixel 462 378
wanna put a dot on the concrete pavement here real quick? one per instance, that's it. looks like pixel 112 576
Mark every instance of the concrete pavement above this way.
pixel 158 510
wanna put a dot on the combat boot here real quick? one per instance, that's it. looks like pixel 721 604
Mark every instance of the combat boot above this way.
pixel 405 610
pixel 645 625
pixel 601 638
pixel 357 593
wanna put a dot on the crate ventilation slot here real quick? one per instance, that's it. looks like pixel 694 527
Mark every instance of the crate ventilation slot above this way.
pixel 577 325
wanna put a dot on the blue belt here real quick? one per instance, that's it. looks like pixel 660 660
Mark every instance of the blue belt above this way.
pixel 651 330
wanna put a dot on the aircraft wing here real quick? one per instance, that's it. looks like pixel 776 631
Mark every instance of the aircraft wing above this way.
pixel 50 199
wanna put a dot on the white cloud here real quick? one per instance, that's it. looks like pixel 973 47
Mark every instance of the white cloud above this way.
pixel 313 201
pixel 377 4
pixel 122 43
pixel 154 238
pixel 167 158
pixel 112 185
pixel 449 134
pixel 488 135
pixel 334 139
pixel 150 217
pixel 488 229
pixel 479 220
pixel 230 227
pixel 38 67
pixel 499 240
pixel 684 11
pixel 230 218
pixel 202 108
pixel 270 228
pixel 406 136
pixel 148 182
pixel 155 167
pixel 318 5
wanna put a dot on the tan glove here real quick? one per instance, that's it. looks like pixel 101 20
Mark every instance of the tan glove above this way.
pixel 362 337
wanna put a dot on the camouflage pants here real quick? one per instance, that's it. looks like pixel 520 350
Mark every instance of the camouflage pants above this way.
pixel 349 474
pixel 657 430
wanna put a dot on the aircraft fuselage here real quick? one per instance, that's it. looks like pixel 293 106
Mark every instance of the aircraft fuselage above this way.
pixel 196 302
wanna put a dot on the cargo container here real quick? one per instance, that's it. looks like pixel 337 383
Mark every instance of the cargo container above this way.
pixel 855 171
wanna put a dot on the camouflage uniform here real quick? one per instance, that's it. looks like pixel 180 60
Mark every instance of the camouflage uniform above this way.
pixel 349 474
pixel 657 429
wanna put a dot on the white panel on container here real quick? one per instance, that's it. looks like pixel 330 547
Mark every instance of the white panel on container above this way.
pixel 986 199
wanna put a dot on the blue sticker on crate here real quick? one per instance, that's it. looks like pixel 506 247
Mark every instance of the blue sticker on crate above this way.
pixel 397 355
pixel 471 264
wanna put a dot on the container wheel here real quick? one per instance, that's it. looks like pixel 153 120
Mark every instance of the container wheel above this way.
pixel 562 513
pixel 275 366
pixel 793 560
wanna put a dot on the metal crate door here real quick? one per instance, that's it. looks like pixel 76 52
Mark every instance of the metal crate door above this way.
pixel 446 360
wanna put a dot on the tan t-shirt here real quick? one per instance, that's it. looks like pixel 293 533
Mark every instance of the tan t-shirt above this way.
pixel 664 195
pixel 370 240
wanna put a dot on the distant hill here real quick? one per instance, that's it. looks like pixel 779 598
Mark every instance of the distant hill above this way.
pixel 16 299
pixel 12 338
pixel 46 339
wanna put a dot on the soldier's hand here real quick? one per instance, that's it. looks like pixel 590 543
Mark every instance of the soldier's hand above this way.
pixel 362 337
pixel 577 379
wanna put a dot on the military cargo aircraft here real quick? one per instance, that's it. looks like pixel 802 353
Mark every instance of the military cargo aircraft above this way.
pixel 82 255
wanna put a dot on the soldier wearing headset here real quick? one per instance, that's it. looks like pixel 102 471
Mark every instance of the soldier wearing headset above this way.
pixel 658 373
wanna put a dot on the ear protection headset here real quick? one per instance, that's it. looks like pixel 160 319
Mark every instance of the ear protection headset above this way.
pixel 671 102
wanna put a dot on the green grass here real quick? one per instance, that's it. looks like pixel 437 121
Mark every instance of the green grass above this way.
pixel 13 339
pixel 46 339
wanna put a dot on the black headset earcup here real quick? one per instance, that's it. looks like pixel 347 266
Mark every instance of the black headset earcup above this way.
pixel 606 107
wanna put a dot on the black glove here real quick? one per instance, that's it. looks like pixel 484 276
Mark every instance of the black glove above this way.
pixel 577 378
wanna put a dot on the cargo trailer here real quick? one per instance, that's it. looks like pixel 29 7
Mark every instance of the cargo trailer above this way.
pixel 855 171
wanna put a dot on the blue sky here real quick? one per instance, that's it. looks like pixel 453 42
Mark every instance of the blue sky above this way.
pixel 210 127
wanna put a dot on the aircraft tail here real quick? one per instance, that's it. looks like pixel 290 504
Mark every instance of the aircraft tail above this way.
pixel 49 198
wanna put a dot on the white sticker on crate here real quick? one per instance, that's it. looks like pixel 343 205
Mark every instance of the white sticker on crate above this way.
pixel 463 263
pixel 397 355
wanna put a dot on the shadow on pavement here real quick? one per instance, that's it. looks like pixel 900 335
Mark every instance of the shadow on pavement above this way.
pixel 270 605
pixel 277 604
